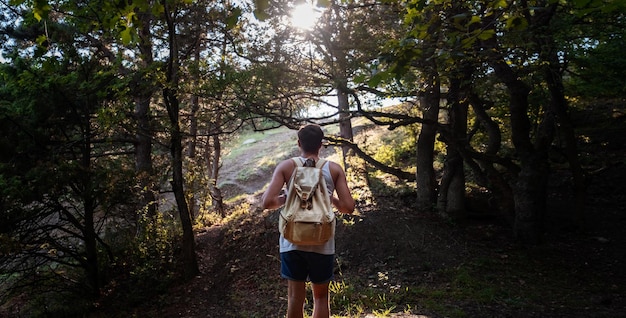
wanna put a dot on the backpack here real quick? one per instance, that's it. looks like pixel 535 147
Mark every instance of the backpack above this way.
pixel 307 217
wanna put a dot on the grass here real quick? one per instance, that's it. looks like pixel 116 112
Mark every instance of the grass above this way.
pixel 514 282
pixel 236 148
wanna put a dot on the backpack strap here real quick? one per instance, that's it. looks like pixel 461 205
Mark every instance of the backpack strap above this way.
pixel 297 161
pixel 320 163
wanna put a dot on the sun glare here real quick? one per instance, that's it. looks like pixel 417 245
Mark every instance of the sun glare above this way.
pixel 304 16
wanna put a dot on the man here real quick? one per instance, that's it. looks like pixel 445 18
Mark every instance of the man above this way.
pixel 315 263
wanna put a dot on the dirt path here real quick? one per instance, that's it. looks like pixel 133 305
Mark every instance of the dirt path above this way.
pixel 250 172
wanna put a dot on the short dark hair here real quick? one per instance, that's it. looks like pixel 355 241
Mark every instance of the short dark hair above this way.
pixel 310 136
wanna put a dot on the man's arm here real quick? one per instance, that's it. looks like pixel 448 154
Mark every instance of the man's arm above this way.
pixel 272 198
pixel 344 201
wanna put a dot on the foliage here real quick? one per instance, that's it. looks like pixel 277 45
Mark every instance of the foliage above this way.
pixel 77 73
pixel 394 150
pixel 597 71
pixel 150 257
pixel 68 177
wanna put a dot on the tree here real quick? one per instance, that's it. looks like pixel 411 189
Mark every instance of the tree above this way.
pixel 80 34
pixel 63 183
pixel 514 48
pixel 172 104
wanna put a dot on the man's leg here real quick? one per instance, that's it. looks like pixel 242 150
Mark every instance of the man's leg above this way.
pixel 321 304
pixel 296 293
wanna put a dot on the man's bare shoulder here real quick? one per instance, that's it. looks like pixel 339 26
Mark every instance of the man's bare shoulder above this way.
pixel 333 165
pixel 335 169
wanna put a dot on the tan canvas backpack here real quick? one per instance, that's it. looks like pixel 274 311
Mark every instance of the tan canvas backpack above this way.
pixel 307 217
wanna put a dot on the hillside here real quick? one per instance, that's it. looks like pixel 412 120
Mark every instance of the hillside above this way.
pixel 392 262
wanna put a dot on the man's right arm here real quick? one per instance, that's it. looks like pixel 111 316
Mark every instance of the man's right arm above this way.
pixel 272 198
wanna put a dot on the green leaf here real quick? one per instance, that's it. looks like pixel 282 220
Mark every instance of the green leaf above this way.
pixel 41 39
pixel 487 34
pixel 516 23
pixel 126 35
pixel 375 80
pixel 475 19
pixel 359 79
pixel 581 3
pixel 261 15
pixel 500 4
pixel 129 18
pixel 158 9
pixel 261 5
pixel 233 18
pixel 41 9
pixel 323 3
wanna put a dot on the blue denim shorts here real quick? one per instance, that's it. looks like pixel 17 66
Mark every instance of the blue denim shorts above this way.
pixel 303 266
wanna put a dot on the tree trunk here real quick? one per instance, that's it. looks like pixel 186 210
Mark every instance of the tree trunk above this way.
pixel 193 127
pixel 502 192
pixel 91 248
pixel 142 91
pixel 88 228
pixel 192 141
pixel 529 190
pixel 345 124
pixel 188 245
pixel 213 155
pixel 559 106
pixel 190 263
pixel 451 201
pixel 530 193
pixel 195 106
pixel 426 182
pixel 566 128
pixel 143 157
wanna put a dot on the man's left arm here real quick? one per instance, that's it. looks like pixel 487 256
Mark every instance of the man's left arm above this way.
pixel 344 201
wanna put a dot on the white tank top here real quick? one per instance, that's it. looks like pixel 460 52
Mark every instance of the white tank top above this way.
pixel 329 247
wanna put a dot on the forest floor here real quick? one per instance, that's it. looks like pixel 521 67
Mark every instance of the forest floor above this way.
pixel 392 262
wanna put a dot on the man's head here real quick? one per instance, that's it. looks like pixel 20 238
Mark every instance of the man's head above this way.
pixel 310 138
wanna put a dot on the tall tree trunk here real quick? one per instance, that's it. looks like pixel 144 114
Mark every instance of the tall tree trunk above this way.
pixel 188 245
pixel 494 180
pixel 429 104
pixel 142 91
pixel 193 127
pixel 530 187
pixel 213 155
pixel 339 72
pixel 193 135
pixel 558 106
pixel 170 96
pixel 91 248
pixel 345 124
pixel 566 128
pixel 451 201
pixel 143 156
pixel 88 228
pixel 426 181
